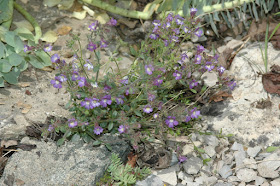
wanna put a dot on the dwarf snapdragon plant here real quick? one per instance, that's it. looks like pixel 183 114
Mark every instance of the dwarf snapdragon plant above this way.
pixel 138 101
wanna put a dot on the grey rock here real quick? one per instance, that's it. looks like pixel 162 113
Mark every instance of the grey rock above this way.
pixel 72 163
pixel 259 180
pixel 233 44
pixel 228 158
pixel 225 171
pixel 253 151
pixel 209 78
pixel 250 163
pixel 169 175
pixel 237 147
pixel 151 180
pixel 265 184
pixel 233 179
pixel 174 159
pixel 193 165
pixel 267 168
pixel 205 180
pixel 246 175
pixel 275 182
pixel 211 140
pixel 223 184
pixel 239 157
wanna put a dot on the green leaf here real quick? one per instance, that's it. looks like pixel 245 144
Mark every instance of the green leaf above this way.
pixel 213 25
pixel 60 141
pixel 110 126
pixel 2 50
pixel 1 82
pixel 24 33
pixel 216 16
pixel 96 143
pixel 18 44
pixel 271 149
pixel 12 77
pixel 10 38
pixel 108 146
pixel 6 10
pixel 68 105
pixel 255 12
pixel 138 113
pixel 35 62
pixel 264 6
pixel 115 114
pixel 194 91
pixel 68 133
pixel 45 57
pixel 23 66
pixel 226 20
pixel 186 8
pixel 76 137
pixel 5 66
pixel 86 138
pixel 15 59
pixel 205 161
pixel 126 107
pixel 133 51
pixel 230 19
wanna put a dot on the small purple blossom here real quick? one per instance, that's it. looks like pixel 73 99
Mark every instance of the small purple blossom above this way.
pixel 193 11
pixel 188 118
pixel 157 82
pixel 51 128
pixel 88 65
pixel 91 46
pixel 98 130
pixel 199 33
pixel 156 23
pixel 87 103
pixel 176 31
pixel 151 97
pixel 197 59
pixel 166 25
pixel 112 22
pixel 209 66
pixel 221 69
pixel 184 56
pixel 103 43
pixel 55 58
pixel 175 39
pixel 72 123
pixel 26 48
pixel 147 109
pixel 192 84
pixel 149 69
pixel 48 48
pixel 166 42
pixel 169 17
pixel 106 100
pixel 179 21
pixel 107 88
pixel 155 116
pixel 129 91
pixel 93 26
pixel 231 85
pixel 82 81
pixel 195 113
pixel 124 81
pixel 182 159
pixel 171 121
pixel 154 36
pixel 119 100
pixel 177 75
pixel 56 83
pixel 186 30
pixel 75 76
pixel 200 49
pixel 95 102
pixel 121 129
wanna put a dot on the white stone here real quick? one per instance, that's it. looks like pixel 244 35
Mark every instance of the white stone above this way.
pixel 209 78
pixel 267 168
pixel 259 180
pixel 253 151
pixel 225 171
pixel 210 150
pixel 237 147
pixel 275 182
pixel 250 163
pixel 233 44
pixel 211 140
pixel 246 175
pixel 193 165
pixel 239 158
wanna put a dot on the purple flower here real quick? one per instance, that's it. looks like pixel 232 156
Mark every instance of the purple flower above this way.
pixel 121 129
pixel 26 48
pixel 87 103
pixel 129 91
pixel 155 116
pixel 216 56
pixel 200 49
pixel 91 46
pixel 175 39
pixel 188 118
pixel 166 25
pixel 75 76
pixel 56 83
pixel 169 17
pixel 88 65
pixel 166 42
pixel 82 81
pixel 231 85
pixel 151 97
pixel 184 56
pixel 156 23
pixel 192 84
pixel 154 36
pixel 193 11
pixel 98 130
pixel 147 109
pixel 171 121
pixel 93 26
pixel 149 69
pixel 119 100
pixel 106 100
pixel 179 21
pixel 107 88
pixel 55 58
pixel 157 82
pixel 124 81
pixel 186 30
pixel 182 159
pixel 209 66
pixel 48 48
pixel 198 33
pixel 195 113
pixel 176 31
pixel 95 102
pixel 197 59
pixel 72 123
pixel 62 78
pixel 51 128
pixel 221 69
pixel 103 43
pixel 112 22
pixel 177 75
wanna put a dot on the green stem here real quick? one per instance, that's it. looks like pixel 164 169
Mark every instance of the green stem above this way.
pixel 34 23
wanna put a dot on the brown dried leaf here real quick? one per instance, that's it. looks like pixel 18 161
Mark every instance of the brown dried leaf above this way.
pixel 26 108
pixel 224 57
pixel 8 143
pixel 131 159
pixel 27 92
pixel 63 30
pixel 219 96
pixel 271 82
pixel 129 24
pixel 19 182
pixel 24 84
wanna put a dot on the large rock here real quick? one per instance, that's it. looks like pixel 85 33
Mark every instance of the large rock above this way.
pixel 72 163
pixel 239 115
pixel 268 168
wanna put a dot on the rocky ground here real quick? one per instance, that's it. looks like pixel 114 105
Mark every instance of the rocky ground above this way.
pixel 251 115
